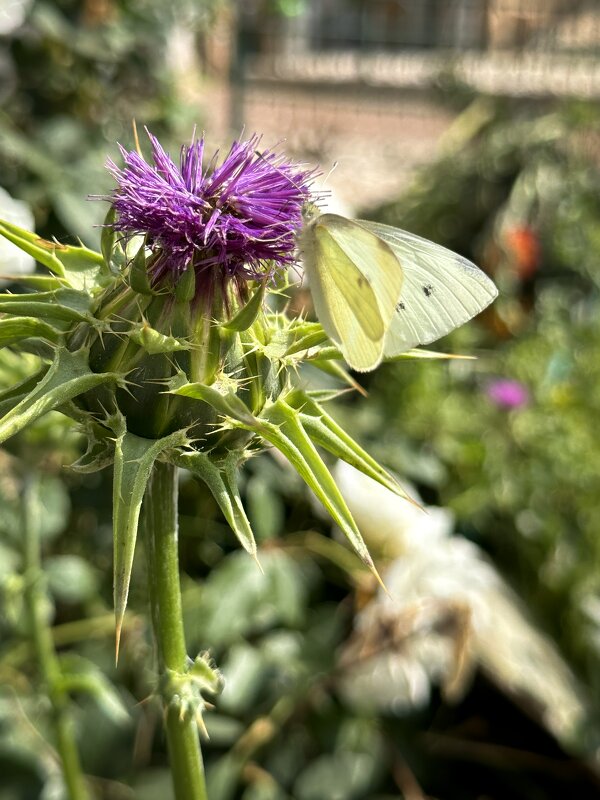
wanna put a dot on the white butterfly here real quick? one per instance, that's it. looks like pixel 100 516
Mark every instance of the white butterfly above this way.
pixel 379 291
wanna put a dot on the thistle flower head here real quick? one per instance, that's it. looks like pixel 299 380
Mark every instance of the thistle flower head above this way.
pixel 507 393
pixel 235 219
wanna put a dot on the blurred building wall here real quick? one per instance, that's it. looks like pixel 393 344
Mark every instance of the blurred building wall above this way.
pixel 367 84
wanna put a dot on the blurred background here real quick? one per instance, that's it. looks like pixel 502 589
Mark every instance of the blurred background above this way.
pixel 474 123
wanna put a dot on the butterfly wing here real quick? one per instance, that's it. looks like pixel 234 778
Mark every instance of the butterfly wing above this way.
pixel 441 290
pixel 356 281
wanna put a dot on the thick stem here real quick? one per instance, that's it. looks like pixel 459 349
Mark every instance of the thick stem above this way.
pixel 160 528
pixel 36 604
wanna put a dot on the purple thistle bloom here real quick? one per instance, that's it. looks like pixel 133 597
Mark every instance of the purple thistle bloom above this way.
pixel 237 219
pixel 508 393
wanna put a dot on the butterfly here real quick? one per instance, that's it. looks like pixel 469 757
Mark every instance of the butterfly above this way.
pixel 379 291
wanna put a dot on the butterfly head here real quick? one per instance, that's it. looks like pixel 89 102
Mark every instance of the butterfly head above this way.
pixel 310 212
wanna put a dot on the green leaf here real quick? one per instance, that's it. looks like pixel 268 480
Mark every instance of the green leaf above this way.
pixel 339 776
pixel 71 579
pixel 30 242
pixel 418 353
pixel 266 509
pixel 185 288
pixel 68 376
pixel 248 313
pixel 82 268
pixel 83 676
pixel 139 280
pixel 97 456
pixel 226 402
pixel 100 452
pixel 245 671
pixel 107 239
pixel 238 600
pixel 307 336
pixel 14 329
pixel 51 504
pixel 14 394
pixel 221 479
pixel 280 425
pixel 325 354
pixel 65 304
pixel 45 283
pixel 325 431
pixel 336 370
pixel 155 342
pixel 134 459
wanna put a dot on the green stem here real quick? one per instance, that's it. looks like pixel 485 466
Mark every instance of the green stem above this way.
pixel 160 527
pixel 36 604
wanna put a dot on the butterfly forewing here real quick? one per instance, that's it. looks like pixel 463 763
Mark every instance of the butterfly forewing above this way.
pixel 441 290
pixel 373 259
pixel 356 281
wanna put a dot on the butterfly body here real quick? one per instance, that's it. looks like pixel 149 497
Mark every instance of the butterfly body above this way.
pixel 380 291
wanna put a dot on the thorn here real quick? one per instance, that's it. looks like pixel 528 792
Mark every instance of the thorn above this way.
pixel 373 569
pixel 136 138
pixel 118 628
pixel 356 385
pixel 406 496
pixel 258 564
pixel 201 724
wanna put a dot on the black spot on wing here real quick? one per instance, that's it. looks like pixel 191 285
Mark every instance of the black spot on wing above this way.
pixel 428 290
pixel 400 306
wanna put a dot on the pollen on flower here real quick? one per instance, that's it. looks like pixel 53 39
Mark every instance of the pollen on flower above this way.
pixel 234 219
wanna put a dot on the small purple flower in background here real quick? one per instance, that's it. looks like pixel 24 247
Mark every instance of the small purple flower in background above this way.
pixel 237 219
pixel 507 393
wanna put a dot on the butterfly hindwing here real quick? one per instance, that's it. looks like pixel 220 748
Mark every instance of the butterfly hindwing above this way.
pixel 441 290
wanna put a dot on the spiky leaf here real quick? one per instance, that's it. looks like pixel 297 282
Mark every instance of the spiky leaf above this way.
pixel 222 399
pixel 221 479
pixel 325 431
pixel 280 425
pixel 139 278
pixel 134 459
pixel 107 240
pixel 68 376
pixel 248 313
pixel 45 283
pixel 15 329
pixel 82 268
pixel 155 342
pixel 63 304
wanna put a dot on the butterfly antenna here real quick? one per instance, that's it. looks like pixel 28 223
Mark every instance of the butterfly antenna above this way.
pixel 334 166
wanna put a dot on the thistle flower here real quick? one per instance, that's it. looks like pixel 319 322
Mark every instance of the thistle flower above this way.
pixel 235 220
pixel 508 393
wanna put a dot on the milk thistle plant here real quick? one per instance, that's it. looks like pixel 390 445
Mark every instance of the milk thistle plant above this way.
pixel 164 350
